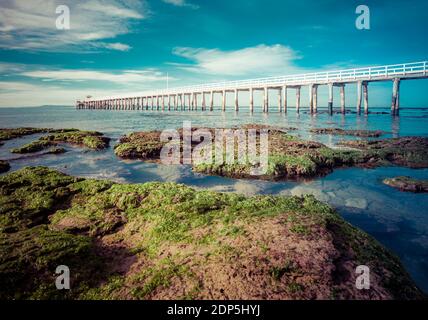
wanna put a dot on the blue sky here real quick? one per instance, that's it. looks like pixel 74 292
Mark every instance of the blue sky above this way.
pixel 119 46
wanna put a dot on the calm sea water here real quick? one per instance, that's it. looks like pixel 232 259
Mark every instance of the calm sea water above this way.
pixel 397 219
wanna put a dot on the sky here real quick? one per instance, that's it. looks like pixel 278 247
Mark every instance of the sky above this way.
pixel 119 46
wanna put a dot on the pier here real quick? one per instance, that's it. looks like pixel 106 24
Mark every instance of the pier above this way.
pixel 201 97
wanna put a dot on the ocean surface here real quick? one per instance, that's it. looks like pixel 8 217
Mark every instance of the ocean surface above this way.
pixel 399 220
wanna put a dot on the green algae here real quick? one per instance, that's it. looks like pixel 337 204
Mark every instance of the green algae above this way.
pixel 34 146
pixel 90 139
pixel 49 218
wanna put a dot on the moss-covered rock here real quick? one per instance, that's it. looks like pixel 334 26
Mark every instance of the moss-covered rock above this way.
pixel 407 184
pixel 289 156
pixel 165 240
pixel 410 152
pixel 90 139
pixel 4 166
pixel 12 133
pixel 34 146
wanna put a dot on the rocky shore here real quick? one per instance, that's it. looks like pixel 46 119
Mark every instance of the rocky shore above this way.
pixel 165 240
pixel 348 132
pixel 291 157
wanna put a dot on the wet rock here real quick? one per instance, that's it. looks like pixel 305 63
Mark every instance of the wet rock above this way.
pixel 358 203
pixel 168 241
pixel 409 184
pixel 409 152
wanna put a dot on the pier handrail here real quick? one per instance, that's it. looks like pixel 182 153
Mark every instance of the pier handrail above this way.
pixel 364 73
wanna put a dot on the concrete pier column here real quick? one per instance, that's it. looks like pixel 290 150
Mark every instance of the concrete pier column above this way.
pixel 366 97
pixel 212 101
pixel 315 90
pixel 311 97
pixel 298 99
pixel 181 102
pixel 196 101
pixel 223 104
pixel 152 101
pixel 236 100
pixel 280 100
pixel 342 99
pixel 190 103
pixel 251 100
pixel 284 98
pixel 395 97
pixel 266 100
pixel 330 98
pixel 203 101
pixel 359 96
pixel 163 102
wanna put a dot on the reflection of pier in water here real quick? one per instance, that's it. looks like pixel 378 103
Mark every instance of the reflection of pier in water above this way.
pixel 176 98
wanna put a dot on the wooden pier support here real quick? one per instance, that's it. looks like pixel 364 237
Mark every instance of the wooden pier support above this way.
pixel 330 99
pixel 315 92
pixel 236 101
pixel 251 100
pixel 266 100
pixel 284 98
pixel 212 101
pixel 342 99
pixel 359 96
pixel 311 97
pixel 203 101
pixel 298 99
pixel 223 104
pixel 395 97
pixel 366 97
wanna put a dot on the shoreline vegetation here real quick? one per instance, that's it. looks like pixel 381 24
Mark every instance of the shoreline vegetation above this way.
pixel 168 241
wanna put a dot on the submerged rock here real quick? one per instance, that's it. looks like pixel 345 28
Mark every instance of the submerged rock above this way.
pixel 164 240
pixel 409 184
pixel 4 166
pixel 348 132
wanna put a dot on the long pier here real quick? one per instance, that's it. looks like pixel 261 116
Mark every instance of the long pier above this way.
pixel 187 98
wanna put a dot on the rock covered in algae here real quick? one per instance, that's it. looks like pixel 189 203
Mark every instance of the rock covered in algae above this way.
pixel 90 139
pixel 409 184
pixel 164 240
pixel 289 157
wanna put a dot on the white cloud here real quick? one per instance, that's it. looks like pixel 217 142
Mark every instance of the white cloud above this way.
pixel 181 3
pixel 123 77
pixel 31 24
pixel 117 46
pixel 262 60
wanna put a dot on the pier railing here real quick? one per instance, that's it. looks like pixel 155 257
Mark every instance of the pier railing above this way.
pixel 417 69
